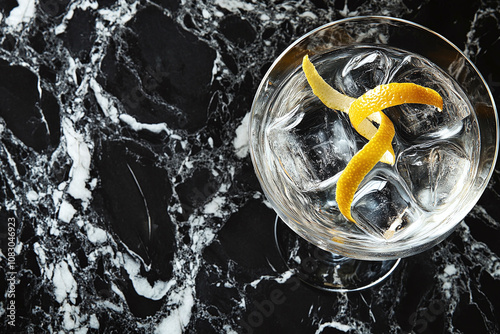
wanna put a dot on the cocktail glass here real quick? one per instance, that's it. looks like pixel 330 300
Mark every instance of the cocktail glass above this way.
pixel 299 147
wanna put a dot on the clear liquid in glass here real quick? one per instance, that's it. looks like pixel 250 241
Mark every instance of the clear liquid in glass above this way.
pixel 307 146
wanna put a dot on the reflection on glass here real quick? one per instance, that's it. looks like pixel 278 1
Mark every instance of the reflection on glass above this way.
pixel 300 147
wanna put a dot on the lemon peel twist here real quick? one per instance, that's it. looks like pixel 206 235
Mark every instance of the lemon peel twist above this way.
pixel 362 111
pixel 361 164
pixel 335 100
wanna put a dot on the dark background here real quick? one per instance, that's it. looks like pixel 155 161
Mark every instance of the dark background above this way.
pixel 168 230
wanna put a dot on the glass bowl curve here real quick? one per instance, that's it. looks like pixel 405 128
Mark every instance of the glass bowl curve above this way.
pixel 379 31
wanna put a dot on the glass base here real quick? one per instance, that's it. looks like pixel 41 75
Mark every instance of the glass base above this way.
pixel 325 270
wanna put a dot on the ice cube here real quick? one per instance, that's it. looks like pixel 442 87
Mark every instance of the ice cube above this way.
pixel 290 160
pixel 422 122
pixel 383 206
pixel 314 148
pixel 435 174
pixel 364 72
pixel 327 139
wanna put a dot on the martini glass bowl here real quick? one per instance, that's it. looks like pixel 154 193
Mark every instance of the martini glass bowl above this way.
pixel 444 160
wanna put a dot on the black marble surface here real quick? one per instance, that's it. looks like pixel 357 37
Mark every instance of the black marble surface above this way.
pixel 128 202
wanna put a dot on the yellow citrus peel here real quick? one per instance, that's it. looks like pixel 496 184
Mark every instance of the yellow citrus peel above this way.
pixel 335 100
pixel 362 111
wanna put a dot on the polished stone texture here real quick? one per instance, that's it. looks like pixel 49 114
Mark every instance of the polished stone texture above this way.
pixel 127 193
